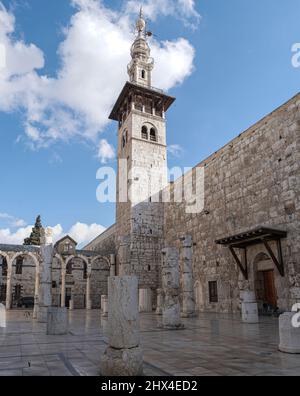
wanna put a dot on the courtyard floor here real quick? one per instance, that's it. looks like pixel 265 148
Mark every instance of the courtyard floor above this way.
pixel 210 345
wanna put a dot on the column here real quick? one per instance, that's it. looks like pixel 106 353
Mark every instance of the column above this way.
pixel 188 297
pixel 36 291
pixel 123 357
pixel 160 302
pixel 249 307
pixel 9 284
pixel 63 288
pixel 104 306
pixel 145 300
pixel 45 289
pixel 88 291
pixel 289 332
pixel 170 282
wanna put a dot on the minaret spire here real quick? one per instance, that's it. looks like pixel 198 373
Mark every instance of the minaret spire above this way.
pixel 141 66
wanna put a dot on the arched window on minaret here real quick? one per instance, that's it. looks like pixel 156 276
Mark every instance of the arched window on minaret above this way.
pixel 145 132
pixel 124 138
pixel 143 74
pixel 153 135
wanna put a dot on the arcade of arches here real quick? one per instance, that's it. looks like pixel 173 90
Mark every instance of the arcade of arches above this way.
pixel 80 276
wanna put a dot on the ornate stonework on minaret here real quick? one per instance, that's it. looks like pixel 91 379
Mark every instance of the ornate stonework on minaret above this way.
pixel 142 172
pixel 141 66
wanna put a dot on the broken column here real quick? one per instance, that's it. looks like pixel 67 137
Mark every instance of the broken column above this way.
pixel 170 282
pixel 188 297
pixel 57 321
pixel 45 288
pixel 160 302
pixel 249 307
pixel 289 332
pixel 123 357
pixel 145 300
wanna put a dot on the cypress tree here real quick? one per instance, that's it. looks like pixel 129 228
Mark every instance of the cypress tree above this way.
pixel 35 236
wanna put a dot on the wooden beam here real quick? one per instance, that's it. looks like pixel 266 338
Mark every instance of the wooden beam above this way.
pixel 239 263
pixel 278 263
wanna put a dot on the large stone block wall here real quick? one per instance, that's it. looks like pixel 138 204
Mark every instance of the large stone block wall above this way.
pixel 253 181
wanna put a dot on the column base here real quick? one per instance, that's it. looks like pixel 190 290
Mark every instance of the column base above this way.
pixel 122 362
pixel 289 335
pixel 250 313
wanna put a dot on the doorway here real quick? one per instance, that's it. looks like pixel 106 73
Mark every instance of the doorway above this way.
pixel 270 288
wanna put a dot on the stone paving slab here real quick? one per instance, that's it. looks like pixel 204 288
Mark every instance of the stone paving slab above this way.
pixel 210 345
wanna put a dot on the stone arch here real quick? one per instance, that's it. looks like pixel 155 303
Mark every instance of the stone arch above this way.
pixel 106 259
pixel 60 259
pixel 5 255
pixel 28 254
pixel 21 283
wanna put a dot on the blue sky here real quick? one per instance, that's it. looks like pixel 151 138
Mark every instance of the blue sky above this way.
pixel 242 70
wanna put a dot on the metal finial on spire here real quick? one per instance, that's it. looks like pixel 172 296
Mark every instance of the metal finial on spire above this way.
pixel 141 23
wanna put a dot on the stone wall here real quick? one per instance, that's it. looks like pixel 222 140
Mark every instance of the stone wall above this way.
pixel 253 181
pixel 104 244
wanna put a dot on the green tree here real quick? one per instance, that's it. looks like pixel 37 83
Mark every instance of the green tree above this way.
pixel 35 236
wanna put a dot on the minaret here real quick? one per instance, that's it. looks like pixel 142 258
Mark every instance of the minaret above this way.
pixel 142 154
pixel 141 66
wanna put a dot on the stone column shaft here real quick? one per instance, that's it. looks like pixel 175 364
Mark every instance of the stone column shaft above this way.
pixel 88 292
pixel 63 289
pixel 36 291
pixel 123 357
pixel 9 284
pixel 170 282
pixel 45 289
pixel 188 298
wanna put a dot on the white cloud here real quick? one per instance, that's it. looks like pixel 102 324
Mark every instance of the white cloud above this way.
pixel 93 57
pixel 14 238
pixel 12 221
pixel 175 150
pixel 106 151
pixel 82 233
pixel 184 10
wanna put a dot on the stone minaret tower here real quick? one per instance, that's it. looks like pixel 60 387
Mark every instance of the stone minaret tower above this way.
pixel 142 172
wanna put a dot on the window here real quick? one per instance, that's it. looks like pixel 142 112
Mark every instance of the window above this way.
pixel 67 247
pixel 145 133
pixel 153 136
pixel 85 271
pixel 143 74
pixel 213 292
pixel 124 139
pixel 69 268
pixel 19 266
pixel 4 267
pixel 3 293
pixel 18 292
